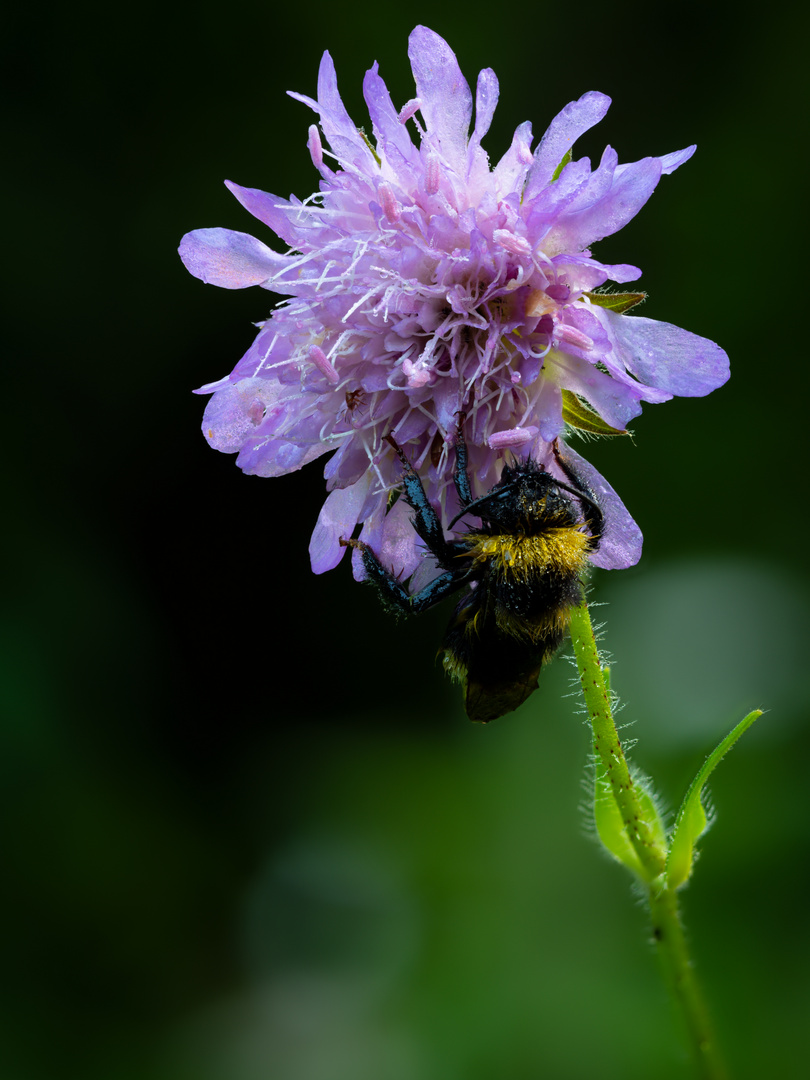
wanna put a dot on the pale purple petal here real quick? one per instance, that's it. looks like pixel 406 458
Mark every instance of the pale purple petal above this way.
pixel 486 98
pixel 666 357
pixel 564 130
pixel 390 134
pixel 234 413
pixel 600 183
pixel 586 273
pixel 340 130
pixel 617 403
pixel 611 213
pixel 270 209
pixel 390 534
pixel 262 455
pixel 620 545
pixel 337 519
pixel 671 162
pixel 508 174
pixel 550 204
pixel 502 440
pixel 217 384
pixel 232 260
pixel 444 95
pixel 546 412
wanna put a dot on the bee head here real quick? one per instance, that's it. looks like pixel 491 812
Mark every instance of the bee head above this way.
pixel 526 497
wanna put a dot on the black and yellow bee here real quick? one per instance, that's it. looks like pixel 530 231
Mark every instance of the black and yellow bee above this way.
pixel 523 571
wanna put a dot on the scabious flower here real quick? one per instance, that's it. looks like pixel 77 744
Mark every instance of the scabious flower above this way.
pixel 424 287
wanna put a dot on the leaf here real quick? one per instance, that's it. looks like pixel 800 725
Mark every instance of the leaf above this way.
pixel 582 417
pixel 691 822
pixel 611 828
pixel 609 824
pixel 608 819
pixel 618 302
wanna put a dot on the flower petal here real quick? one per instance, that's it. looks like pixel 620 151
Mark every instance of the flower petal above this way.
pixel 337 518
pixel 666 357
pixel 563 131
pixel 631 189
pixel 510 171
pixel 340 130
pixel 390 535
pixel 615 402
pixel 392 137
pixel 232 260
pixel 445 100
pixel 671 162
pixel 269 209
pixel 486 98
pixel 262 455
pixel 234 413
pixel 621 542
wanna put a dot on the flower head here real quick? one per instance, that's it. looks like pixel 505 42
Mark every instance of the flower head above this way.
pixel 424 287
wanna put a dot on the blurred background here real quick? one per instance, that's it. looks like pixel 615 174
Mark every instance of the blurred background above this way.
pixel 248 831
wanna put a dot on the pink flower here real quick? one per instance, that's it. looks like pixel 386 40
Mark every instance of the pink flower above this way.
pixel 424 286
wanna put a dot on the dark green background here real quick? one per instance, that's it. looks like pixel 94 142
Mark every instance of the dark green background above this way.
pixel 248 831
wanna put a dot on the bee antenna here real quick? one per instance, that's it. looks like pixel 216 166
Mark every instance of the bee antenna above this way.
pixel 490 495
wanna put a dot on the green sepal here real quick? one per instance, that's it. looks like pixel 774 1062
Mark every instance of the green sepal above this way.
pixel 609 825
pixel 370 145
pixel 617 302
pixel 582 417
pixel 692 821
pixel 561 166
pixel 612 830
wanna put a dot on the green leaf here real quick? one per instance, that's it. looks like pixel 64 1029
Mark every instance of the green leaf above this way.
pixel 611 828
pixel 561 166
pixel 691 821
pixel 649 808
pixel 609 824
pixel 582 417
pixel 618 302
pixel 607 816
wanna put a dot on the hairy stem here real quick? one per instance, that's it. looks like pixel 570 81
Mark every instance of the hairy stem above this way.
pixel 608 748
pixel 683 985
pixel 650 851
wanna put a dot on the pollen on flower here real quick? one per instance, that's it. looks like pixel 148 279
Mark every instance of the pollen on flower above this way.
pixel 390 206
pixel 438 286
pixel 516 437
pixel 518 245
pixel 571 336
pixel 315 146
pixel 433 175
pixel 321 362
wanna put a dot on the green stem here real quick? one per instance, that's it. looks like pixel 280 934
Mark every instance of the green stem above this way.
pixel 649 848
pixel 608 749
pixel 683 985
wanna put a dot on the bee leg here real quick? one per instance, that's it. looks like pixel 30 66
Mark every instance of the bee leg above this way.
pixel 376 573
pixel 581 488
pixel 436 590
pixel 461 476
pixel 395 593
pixel 426 521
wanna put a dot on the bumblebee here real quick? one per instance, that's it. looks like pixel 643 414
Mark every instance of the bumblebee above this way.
pixel 522 571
